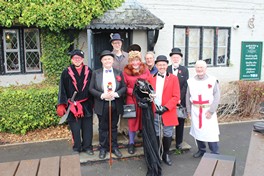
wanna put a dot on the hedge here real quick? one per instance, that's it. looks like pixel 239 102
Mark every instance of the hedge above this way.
pixel 28 108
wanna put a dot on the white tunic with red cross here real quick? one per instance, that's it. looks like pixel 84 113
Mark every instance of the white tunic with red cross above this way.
pixel 201 97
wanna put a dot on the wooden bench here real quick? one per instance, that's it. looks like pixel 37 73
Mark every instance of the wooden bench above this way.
pixel 255 157
pixel 53 166
pixel 216 165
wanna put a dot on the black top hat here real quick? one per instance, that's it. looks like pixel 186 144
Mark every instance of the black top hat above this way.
pixel 176 51
pixel 77 52
pixel 114 37
pixel 161 58
pixel 106 53
pixel 134 47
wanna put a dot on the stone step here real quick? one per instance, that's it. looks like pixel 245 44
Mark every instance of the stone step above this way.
pixel 85 158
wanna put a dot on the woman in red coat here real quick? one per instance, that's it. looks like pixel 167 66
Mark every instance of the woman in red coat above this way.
pixel 133 70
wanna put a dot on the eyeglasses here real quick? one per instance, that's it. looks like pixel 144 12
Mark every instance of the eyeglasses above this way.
pixel 117 43
pixel 76 58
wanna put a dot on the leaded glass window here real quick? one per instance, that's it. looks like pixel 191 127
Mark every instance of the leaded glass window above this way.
pixel 21 49
pixel 211 44
pixel 11 51
pixel 32 50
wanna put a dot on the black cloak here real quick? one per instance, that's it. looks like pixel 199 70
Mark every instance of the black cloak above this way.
pixel 142 91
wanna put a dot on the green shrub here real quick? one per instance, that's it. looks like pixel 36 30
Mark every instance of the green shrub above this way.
pixel 54 54
pixel 27 108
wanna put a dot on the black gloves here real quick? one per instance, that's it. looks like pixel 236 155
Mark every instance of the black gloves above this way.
pixel 161 110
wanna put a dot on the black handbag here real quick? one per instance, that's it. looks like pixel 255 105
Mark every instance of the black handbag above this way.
pixel 129 111
pixel 181 112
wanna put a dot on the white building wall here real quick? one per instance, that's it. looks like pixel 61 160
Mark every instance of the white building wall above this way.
pixel 17 80
pixel 140 38
pixel 224 13
pixel 81 43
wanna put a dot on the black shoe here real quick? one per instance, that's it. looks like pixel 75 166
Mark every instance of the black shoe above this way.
pixel 131 149
pixel 102 154
pixel 166 159
pixel 198 154
pixel 117 153
pixel 89 152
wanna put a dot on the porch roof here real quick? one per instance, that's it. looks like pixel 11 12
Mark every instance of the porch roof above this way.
pixel 130 16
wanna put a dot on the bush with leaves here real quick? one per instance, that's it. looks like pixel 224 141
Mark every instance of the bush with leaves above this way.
pixel 52 14
pixel 54 54
pixel 27 108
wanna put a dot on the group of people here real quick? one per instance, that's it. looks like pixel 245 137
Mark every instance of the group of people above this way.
pixel 105 90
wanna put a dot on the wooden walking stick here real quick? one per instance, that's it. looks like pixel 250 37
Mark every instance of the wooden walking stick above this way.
pixel 109 87
pixel 110 133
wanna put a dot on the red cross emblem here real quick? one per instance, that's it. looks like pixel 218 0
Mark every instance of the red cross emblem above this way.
pixel 200 103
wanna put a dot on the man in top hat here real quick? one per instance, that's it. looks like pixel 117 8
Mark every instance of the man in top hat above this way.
pixel 77 78
pixel 183 75
pixel 165 101
pixel 120 56
pixel 107 85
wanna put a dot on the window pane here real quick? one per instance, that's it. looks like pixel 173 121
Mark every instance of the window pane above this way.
pixel 222 47
pixel 32 50
pixel 179 37
pixel 194 45
pixel 179 41
pixel 208 46
pixel 11 39
pixel 12 62
pixel 33 63
pixel 11 51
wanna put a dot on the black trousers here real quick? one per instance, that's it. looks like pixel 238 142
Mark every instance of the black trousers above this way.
pixel 82 133
pixel 179 130
pixel 104 126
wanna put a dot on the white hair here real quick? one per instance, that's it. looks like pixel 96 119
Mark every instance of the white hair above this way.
pixel 151 53
pixel 201 63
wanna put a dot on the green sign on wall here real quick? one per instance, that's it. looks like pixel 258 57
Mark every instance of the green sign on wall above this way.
pixel 251 57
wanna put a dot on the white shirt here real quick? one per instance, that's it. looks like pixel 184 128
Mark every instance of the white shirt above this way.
pixel 159 89
pixel 176 70
pixel 108 80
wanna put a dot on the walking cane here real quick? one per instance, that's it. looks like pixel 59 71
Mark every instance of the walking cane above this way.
pixel 109 88
pixel 110 133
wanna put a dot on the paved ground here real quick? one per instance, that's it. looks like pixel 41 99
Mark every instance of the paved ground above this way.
pixel 234 138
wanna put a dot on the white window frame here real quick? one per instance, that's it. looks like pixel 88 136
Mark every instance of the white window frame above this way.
pixel 7 50
pixel 31 50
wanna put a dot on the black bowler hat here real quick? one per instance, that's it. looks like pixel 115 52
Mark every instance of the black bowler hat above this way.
pixel 134 47
pixel 161 58
pixel 176 51
pixel 106 53
pixel 114 37
pixel 77 52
